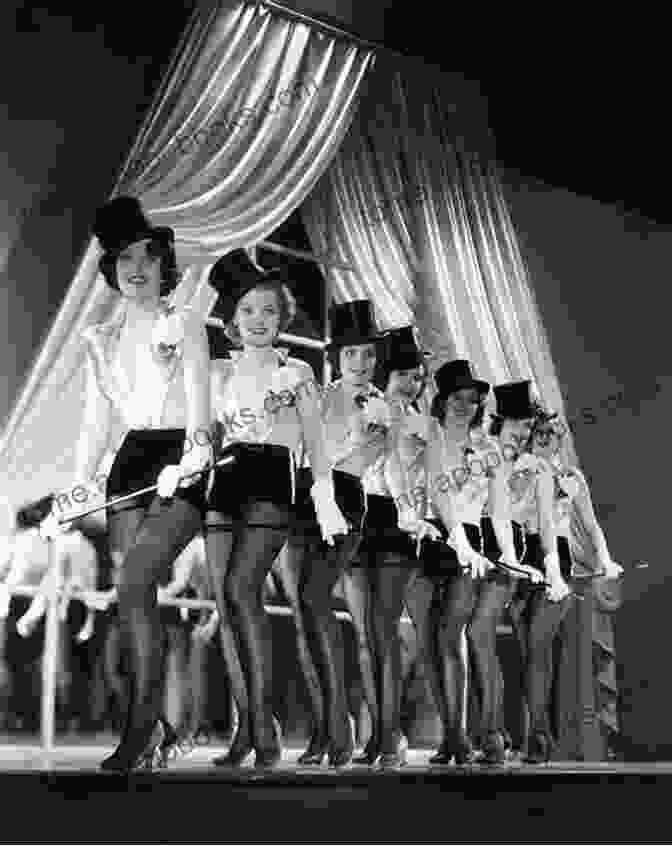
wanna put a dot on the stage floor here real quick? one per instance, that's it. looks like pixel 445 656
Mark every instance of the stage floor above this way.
pixel 84 755
pixel 68 800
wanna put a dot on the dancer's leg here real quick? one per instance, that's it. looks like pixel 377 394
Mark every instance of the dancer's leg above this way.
pixel 256 546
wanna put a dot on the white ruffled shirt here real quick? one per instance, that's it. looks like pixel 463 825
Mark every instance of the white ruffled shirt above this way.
pixel 156 397
pixel 411 443
pixel 355 441
pixel 261 412
pixel 465 482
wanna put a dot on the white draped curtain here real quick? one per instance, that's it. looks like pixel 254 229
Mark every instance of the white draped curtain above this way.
pixel 253 112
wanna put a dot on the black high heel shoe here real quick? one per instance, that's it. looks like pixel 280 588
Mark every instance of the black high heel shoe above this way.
pixel 370 753
pixel 272 756
pixel 342 756
pixel 151 758
pixel 239 750
pixel 539 749
pixel 461 752
pixel 393 760
pixel 316 753
pixel 494 754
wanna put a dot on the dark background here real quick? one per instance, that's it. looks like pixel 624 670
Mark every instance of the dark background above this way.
pixel 578 111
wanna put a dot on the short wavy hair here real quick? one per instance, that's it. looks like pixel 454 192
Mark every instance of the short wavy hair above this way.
pixel 170 274
pixel 497 421
pixel 286 303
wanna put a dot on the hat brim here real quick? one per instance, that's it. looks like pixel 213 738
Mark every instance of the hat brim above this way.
pixel 477 384
pixel 352 341
pixel 153 233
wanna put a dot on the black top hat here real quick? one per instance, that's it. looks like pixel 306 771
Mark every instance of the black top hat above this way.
pixel 121 222
pixel 515 400
pixel 352 323
pixel 232 276
pixel 456 375
pixel 398 350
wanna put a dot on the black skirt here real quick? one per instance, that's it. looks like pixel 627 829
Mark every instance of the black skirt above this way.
pixel 439 561
pixel 349 495
pixel 491 548
pixel 384 543
pixel 141 457
pixel 259 472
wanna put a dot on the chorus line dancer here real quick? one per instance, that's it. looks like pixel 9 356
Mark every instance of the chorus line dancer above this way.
pixel 388 551
pixel 538 624
pixel 520 528
pixel 148 373
pixel 355 420
pixel 267 407
pixel 441 599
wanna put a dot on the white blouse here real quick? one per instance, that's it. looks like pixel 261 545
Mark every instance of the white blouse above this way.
pixel 156 399
pixel 465 482
pixel 263 412
pixel 357 440
pixel 410 445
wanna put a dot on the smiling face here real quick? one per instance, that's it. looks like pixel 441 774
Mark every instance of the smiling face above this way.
pixel 461 406
pixel 546 439
pixel 406 384
pixel 138 270
pixel 257 317
pixel 357 364
pixel 516 433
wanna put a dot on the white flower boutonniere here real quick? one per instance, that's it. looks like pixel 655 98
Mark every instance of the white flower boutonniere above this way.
pixel 282 392
pixel 377 414
pixel 416 425
pixel 167 335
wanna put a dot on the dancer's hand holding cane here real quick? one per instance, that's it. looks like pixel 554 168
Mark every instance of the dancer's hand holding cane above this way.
pixel 194 461
pixel 468 557
pixel 329 516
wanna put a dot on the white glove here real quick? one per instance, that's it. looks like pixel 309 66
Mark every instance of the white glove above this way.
pixel 329 516
pixel 559 588
pixel 5 599
pixel 50 527
pixel 169 479
pixel 521 570
pixel 466 554
pixel 612 570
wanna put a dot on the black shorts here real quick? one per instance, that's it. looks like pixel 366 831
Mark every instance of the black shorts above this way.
pixel 384 543
pixel 439 561
pixel 142 456
pixel 349 495
pixel 259 472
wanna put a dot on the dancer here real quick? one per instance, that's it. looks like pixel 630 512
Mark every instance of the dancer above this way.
pixel 539 621
pixel 441 598
pixel 267 406
pixel 519 532
pixel 388 553
pixel 147 369
pixel 356 422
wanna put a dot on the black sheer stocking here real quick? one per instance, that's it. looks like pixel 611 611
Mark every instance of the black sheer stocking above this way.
pixel 167 528
pixel 219 545
pixel 357 593
pixel 300 552
pixel 389 585
pixel 257 540
pixel 323 630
